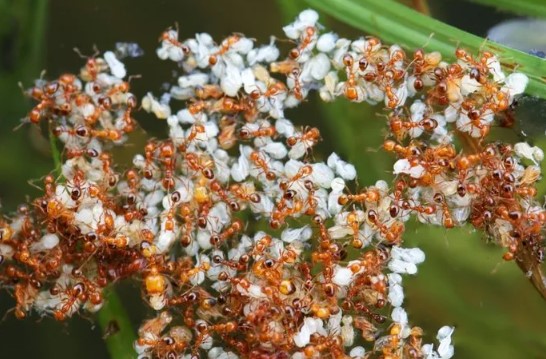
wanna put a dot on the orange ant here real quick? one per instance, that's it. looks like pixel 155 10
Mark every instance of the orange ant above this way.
pixel 304 171
pixel 448 221
pixel 311 201
pixel 309 135
pixel 224 47
pixel 370 195
pixel 209 91
pixel 170 37
pixel 423 64
pixel 279 215
pixel 354 221
pixel 297 88
pixel 393 233
pixel 93 65
pixel 392 97
pixel 261 245
pixel 46 96
pixel 246 133
pixel 480 69
pixel 306 38
pixel 236 226
pixel 217 188
pixel 351 90
pixel 24 294
pixel 245 105
pixel 201 164
pixel 75 295
pixel 260 161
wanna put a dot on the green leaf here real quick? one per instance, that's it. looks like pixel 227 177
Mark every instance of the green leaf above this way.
pixel 396 23
pixel 534 8
pixel 116 327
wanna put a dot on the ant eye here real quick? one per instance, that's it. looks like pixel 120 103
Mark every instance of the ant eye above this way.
pixel 294 54
pixel 79 289
pixel 244 133
pixel 475 74
pixel 393 211
pixel 208 173
pixel 168 340
pixel 309 185
pixel 148 174
pixel 347 60
pixel 75 194
pixel 175 196
pixel 255 198
pixel 289 194
pixel 131 101
pixel 234 206
pixel 91 236
pixel 372 215
pixel 202 222
pixel 461 190
pixel 91 152
pixel 131 199
pixel 418 84
pixel 215 239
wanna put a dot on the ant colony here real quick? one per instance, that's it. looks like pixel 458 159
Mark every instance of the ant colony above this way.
pixel 243 245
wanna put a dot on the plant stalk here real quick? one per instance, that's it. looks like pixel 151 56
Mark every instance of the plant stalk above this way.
pixel 117 330
pixel 528 264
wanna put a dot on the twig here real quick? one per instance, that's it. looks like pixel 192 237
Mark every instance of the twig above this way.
pixel 531 268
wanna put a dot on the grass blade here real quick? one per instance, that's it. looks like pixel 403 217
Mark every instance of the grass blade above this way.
pixel 533 8
pixel 396 23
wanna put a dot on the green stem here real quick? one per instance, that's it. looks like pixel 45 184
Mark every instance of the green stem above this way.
pixel 55 153
pixel 396 23
pixel 37 31
pixel 116 327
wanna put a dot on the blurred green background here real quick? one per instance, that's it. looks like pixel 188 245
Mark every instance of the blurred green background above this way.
pixel 464 281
